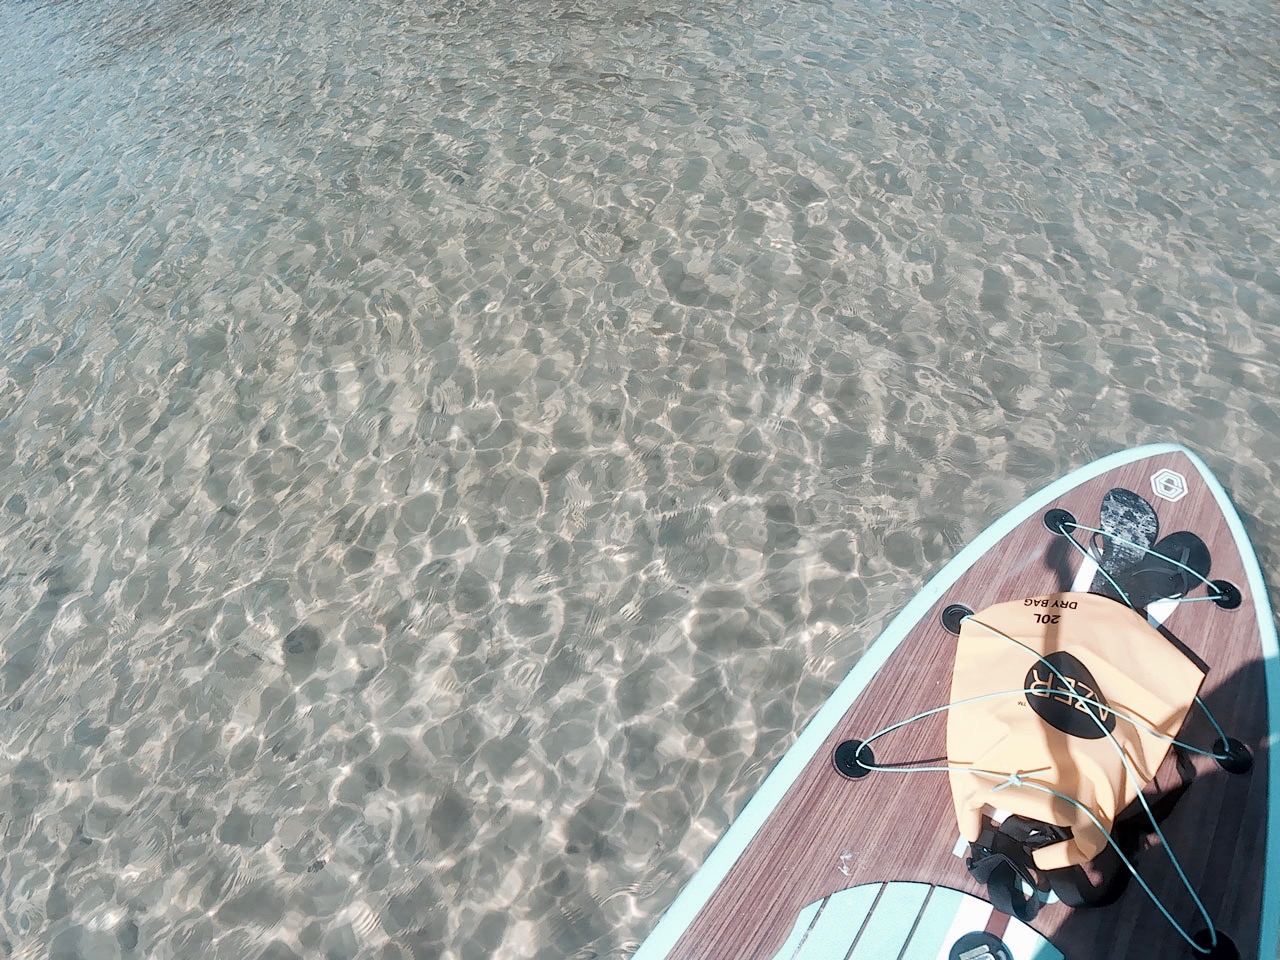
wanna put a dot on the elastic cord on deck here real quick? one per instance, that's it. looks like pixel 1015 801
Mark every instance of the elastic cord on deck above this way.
pixel 1019 778
pixel 1215 593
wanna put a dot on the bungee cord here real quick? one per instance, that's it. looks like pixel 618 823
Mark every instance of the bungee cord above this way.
pixel 1215 594
pixel 1019 778
pixel 1022 778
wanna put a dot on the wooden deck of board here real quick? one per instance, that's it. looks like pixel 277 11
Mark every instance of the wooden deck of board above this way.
pixel 829 833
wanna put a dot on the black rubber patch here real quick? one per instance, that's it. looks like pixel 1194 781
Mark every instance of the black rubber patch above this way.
pixel 849 758
pixel 1238 758
pixel 1224 949
pixel 1060 521
pixel 1059 699
pixel 1229 596
pixel 979 945
pixel 952 616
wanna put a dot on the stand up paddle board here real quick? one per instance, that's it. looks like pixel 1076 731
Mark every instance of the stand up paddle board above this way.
pixel 838 858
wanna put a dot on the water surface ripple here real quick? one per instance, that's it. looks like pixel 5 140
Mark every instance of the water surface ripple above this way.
pixel 447 450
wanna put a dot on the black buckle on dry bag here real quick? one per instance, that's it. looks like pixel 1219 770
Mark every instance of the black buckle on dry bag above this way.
pixel 1001 860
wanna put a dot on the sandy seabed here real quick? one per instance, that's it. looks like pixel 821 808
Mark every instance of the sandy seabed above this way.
pixel 448 451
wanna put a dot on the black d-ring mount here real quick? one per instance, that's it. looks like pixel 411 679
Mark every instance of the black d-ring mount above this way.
pixel 1236 757
pixel 952 615
pixel 1059 521
pixel 850 757
pixel 1229 596
pixel 1215 946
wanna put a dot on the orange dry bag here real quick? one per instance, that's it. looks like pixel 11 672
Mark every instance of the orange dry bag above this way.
pixel 1063 709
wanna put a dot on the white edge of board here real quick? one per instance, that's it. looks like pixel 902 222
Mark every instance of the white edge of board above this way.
pixel 724 855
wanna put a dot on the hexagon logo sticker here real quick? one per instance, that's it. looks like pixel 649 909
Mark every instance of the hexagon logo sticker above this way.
pixel 1169 485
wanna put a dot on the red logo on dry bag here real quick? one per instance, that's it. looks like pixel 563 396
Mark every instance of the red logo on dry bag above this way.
pixel 1064 695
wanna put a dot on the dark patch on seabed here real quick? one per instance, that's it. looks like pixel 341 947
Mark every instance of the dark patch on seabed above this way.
pixel 116 31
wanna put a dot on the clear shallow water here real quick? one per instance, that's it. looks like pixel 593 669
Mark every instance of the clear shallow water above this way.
pixel 447 451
